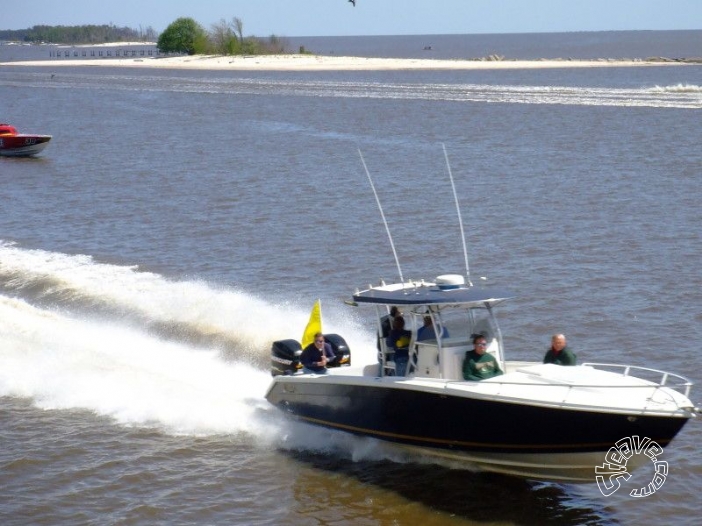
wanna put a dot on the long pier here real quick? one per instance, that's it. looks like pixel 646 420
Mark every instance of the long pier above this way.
pixel 106 52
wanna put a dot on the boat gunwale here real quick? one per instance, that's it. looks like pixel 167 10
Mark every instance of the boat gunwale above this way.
pixel 489 390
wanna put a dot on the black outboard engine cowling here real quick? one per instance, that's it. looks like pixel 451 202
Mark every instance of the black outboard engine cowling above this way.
pixel 285 357
pixel 341 350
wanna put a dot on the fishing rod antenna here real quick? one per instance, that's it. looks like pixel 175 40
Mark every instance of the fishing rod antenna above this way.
pixel 458 211
pixel 382 214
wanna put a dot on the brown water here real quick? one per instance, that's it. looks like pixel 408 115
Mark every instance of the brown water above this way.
pixel 180 222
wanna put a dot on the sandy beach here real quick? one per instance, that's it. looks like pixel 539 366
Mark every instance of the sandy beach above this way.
pixel 300 62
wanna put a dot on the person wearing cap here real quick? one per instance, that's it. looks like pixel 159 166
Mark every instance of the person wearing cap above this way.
pixel 478 364
pixel 559 353
pixel 316 356
pixel 386 321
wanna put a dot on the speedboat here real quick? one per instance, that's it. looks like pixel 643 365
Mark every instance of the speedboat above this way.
pixel 537 421
pixel 579 423
pixel 15 144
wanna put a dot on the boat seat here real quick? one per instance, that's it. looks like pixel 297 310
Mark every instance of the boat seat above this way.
pixel 456 372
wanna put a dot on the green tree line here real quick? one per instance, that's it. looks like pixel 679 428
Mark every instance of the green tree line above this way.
pixel 88 34
pixel 185 35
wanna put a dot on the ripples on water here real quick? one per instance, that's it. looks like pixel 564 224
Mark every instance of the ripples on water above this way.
pixel 92 471
pixel 179 222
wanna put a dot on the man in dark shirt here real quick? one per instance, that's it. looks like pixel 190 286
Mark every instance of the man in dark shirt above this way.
pixel 386 321
pixel 399 340
pixel 316 356
pixel 559 353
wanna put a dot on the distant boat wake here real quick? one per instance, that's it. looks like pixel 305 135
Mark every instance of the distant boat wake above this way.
pixel 681 96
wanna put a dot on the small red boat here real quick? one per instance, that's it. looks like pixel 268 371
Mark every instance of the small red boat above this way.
pixel 14 144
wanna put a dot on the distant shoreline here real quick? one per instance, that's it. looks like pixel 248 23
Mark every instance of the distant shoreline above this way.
pixel 304 62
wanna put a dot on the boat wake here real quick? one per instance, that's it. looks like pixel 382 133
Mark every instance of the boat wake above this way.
pixel 64 362
pixel 79 334
pixel 192 312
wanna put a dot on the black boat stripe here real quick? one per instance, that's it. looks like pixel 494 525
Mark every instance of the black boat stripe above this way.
pixel 370 432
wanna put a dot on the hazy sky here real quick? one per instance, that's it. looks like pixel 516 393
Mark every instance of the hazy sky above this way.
pixel 369 17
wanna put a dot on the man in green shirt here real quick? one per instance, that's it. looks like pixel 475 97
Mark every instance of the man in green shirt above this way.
pixel 479 365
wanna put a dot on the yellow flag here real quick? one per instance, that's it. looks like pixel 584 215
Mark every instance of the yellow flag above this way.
pixel 314 325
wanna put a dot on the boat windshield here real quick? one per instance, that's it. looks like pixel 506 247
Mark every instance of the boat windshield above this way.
pixel 454 323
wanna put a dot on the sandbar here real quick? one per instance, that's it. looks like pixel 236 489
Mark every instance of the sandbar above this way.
pixel 307 62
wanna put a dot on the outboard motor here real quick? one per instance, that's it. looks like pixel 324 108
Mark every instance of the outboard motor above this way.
pixel 341 350
pixel 285 357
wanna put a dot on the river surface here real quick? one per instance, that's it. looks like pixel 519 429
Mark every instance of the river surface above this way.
pixel 181 221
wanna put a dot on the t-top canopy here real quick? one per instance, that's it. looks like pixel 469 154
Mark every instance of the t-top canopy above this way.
pixel 421 293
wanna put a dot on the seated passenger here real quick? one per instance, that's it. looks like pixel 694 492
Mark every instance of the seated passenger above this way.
pixel 479 365
pixel 316 356
pixel 427 332
pixel 399 340
pixel 559 353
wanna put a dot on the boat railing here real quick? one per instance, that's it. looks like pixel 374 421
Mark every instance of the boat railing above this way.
pixel 652 379
pixel 560 382
pixel 665 379
pixel 655 377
